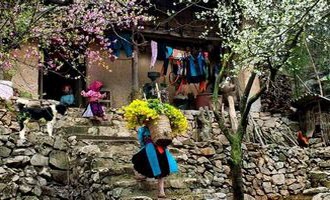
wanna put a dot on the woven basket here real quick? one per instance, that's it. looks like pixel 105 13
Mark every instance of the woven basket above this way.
pixel 160 130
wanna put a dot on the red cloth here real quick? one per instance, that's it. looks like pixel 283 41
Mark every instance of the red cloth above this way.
pixel 95 86
pixel 160 149
pixel 302 140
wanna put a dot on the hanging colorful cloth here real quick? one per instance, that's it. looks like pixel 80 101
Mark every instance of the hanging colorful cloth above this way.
pixel 154 52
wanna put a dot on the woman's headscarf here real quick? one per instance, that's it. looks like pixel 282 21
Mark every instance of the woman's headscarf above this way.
pixel 95 86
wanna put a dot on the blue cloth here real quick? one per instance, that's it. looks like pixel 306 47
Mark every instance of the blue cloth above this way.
pixel 67 99
pixel 122 42
pixel 169 52
pixel 152 155
pixel 192 66
pixel 201 63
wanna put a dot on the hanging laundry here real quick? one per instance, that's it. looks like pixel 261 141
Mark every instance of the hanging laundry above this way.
pixel 177 54
pixel 121 41
pixel 169 51
pixel 154 52
pixel 201 63
pixel 193 75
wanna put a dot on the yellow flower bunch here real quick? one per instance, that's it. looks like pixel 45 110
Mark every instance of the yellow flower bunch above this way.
pixel 140 111
pixel 179 123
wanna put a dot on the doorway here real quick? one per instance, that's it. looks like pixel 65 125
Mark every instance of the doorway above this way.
pixel 52 78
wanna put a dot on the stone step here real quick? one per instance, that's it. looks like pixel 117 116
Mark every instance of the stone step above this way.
pixel 106 139
pixel 173 182
pixel 96 131
pixel 174 195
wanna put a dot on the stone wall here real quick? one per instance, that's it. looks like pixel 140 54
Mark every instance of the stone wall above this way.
pixel 66 167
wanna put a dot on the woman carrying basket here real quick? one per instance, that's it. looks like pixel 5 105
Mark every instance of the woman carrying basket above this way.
pixel 153 161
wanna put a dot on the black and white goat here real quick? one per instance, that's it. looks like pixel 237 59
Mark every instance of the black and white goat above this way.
pixel 28 113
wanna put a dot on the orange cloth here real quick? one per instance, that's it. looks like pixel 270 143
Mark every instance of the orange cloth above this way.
pixel 302 140
pixel 160 149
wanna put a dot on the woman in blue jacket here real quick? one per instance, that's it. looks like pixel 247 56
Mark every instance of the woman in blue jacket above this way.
pixel 153 161
pixel 67 98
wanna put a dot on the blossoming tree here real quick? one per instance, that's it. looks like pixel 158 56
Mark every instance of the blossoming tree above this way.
pixel 66 27
pixel 259 36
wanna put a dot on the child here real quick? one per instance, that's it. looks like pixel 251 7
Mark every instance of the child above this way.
pixel 153 161
pixel 67 99
pixel 94 108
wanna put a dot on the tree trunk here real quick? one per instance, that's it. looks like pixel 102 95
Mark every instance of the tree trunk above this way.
pixel 232 113
pixel 135 73
pixel 236 166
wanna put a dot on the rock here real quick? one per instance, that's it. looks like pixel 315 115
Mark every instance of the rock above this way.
pixel 278 179
pixel 202 160
pixel 25 188
pixel 4 152
pixel 17 161
pixel 223 140
pixel 176 143
pixel 249 165
pixel 59 159
pixel 177 184
pixel 14 126
pixel 60 176
pixel 248 197
pixel 39 160
pixel 37 191
pixel 3 138
pixel 218 181
pixel 219 195
pixel 217 163
pixel 2 170
pixel 61 144
pixel 188 142
pixel 321 196
pixel 117 192
pixel 45 173
pixel 269 123
pixel 226 169
pixel 296 186
pixel 93 131
pixel 279 165
pixel 284 193
pixel 290 181
pixel 208 151
pixel 89 149
pixel 42 181
pixel 316 190
pixel 267 187
pixel 325 164
pixel 23 151
pixel 30 198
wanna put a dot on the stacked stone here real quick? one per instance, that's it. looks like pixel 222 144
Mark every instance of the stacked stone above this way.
pixel 68 168
pixel 33 169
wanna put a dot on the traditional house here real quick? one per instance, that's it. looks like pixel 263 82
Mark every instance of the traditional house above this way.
pixel 129 71
pixel 313 113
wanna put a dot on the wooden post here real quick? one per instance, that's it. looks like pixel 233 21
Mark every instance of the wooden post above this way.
pixel 135 73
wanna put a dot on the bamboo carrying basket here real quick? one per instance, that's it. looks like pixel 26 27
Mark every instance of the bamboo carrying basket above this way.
pixel 160 130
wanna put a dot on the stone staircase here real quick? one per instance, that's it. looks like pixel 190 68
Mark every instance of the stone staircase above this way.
pixel 104 165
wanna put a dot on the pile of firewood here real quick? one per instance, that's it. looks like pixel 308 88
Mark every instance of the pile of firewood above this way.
pixel 278 96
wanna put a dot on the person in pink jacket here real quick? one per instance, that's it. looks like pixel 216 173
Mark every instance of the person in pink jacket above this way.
pixel 94 107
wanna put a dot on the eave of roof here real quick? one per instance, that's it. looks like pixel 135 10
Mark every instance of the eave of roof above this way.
pixel 307 99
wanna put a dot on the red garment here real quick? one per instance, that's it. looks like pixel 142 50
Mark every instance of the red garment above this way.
pixel 160 149
pixel 302 140
pixel 95 86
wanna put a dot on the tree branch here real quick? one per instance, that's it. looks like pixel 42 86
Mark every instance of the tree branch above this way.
pixel 247 90
pixel 222 126
pixel 245 114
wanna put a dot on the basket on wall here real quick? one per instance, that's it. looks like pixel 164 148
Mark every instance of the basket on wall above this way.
pixel 160 130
